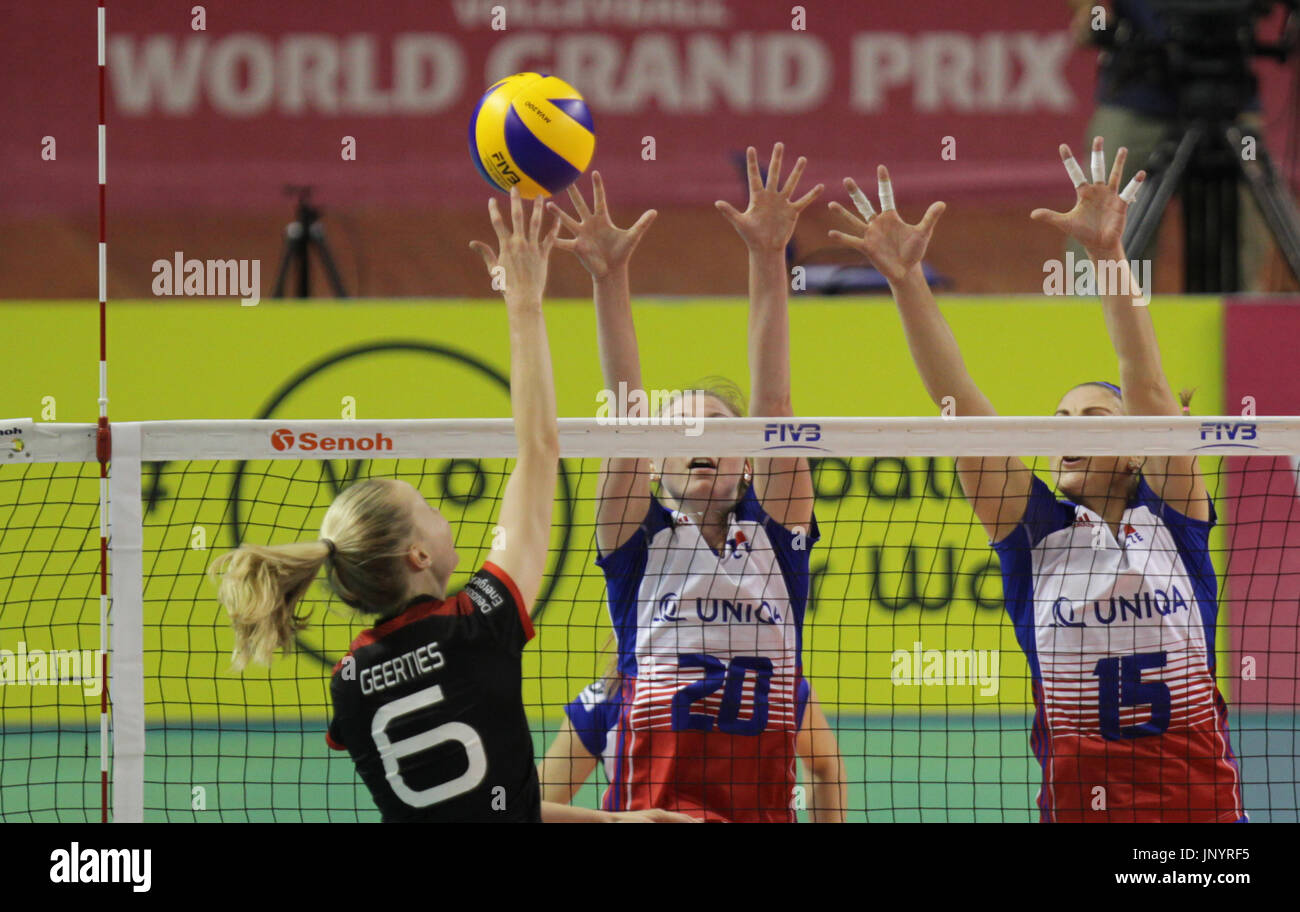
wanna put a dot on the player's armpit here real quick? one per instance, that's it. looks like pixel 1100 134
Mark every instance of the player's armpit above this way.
pixel 998 490
pixel 622 502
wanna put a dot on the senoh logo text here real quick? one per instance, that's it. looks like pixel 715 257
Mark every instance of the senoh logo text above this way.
pixel 309 441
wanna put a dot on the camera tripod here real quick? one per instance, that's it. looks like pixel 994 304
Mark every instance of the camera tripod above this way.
pixel 301 235
pixel 1200 51
pixel 1206 163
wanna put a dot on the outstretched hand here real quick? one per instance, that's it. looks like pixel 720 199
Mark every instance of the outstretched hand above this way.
pixel 652 815
pixel 521 264
pixel 893 246
pixel 1100 208
pixel 597 242
pixel 768 222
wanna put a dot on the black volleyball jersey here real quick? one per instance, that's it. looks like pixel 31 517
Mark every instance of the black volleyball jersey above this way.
pixel 430 706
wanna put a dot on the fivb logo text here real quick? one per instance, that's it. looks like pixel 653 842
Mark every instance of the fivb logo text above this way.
pixel 309 441
pixel 1224 431
pixel 792 436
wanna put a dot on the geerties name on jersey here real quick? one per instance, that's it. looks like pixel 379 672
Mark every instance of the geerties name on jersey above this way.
pixel 408 666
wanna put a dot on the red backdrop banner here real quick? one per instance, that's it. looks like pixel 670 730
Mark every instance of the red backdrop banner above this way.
pixel 1264 566
pixel 269 93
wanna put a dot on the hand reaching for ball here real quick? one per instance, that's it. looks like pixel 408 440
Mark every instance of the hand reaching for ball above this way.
pixel 599 244
pixel 521 264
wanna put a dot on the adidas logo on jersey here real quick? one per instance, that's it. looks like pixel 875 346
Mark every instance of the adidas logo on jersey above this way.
pixel 735 544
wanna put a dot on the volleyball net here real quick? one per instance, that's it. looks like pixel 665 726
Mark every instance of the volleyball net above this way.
pixel 906 641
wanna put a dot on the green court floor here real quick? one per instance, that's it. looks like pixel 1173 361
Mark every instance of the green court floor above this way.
pixel 901 769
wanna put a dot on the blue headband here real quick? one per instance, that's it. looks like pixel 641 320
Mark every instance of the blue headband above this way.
pixel 1110 386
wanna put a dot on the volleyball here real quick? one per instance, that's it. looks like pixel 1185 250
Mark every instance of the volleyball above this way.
pixel 531 131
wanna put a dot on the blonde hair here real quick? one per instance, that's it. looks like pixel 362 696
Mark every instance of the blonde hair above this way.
pixel 366 530
pixel 720 388
pixel 726 392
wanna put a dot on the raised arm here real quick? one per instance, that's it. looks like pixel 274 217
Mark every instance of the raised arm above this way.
pixel 1097 222
pixel 605 251
pixel 998 488
pixel 828 781
pixel 783 485
pixel 525 520
pixel 554 812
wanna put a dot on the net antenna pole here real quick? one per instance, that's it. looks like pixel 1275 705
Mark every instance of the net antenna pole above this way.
pixel 119 514
pixel 103 442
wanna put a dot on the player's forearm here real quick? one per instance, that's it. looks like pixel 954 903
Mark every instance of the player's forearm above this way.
pixel 554 792
pixel 532 385
pixel 769 334
pixel 828 799
pixel 934 348
pixel 1133 335
pixel 620 361
pixel 554 812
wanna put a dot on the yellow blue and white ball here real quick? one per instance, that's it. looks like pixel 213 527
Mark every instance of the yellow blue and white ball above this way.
pixel 533 131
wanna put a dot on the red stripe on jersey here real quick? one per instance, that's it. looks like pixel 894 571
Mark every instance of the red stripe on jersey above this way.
pixel 334 745
pixel 457 604
pixel 428 607
pixel 615 794
pixel 524 617
pixel 712 776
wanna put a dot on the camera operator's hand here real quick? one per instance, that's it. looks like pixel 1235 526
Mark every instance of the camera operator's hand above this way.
pixel 1100 209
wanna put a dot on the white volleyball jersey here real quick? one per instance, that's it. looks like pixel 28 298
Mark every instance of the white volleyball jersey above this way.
pixel 709 649
pixel 594 716
pixel 1120 638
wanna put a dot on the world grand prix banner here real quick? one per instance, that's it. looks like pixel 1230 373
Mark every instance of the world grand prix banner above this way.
pixel 221 110
pixel 902 573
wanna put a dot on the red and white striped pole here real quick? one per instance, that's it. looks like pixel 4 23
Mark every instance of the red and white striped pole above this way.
pixel 103 440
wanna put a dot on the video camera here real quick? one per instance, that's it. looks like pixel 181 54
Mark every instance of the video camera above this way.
pixel 1198 51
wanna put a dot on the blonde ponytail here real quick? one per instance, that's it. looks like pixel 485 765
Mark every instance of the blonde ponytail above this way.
pixel 261 585
pixel 364 536
pixel 1185 399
